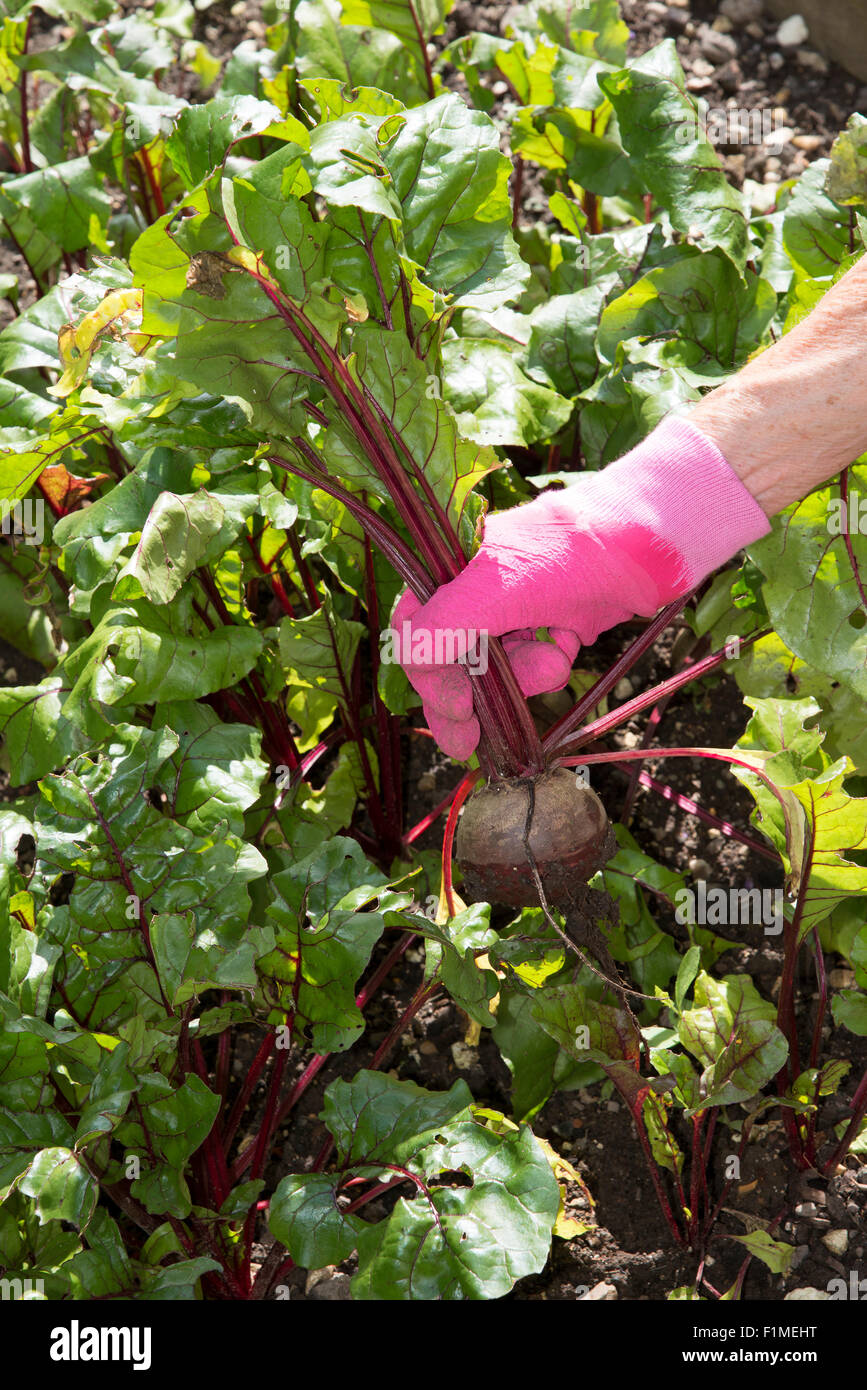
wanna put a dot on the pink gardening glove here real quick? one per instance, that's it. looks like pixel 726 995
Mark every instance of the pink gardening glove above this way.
pixel 617 543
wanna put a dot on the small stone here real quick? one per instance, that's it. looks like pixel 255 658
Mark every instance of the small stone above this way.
pixel 807 1295
pixel 698 84
pixel 316 1276
pixel 778 137
pixel 741 11
pixel 679 4
pixel 630 740
pixel 699 868
pixel 655 9
pixel 800 1255
pixel 600 1293
pixel 776 61
pixel 808 143
pixel 623 689
pixel 464 1057
pixel 11 676
pixel 772 166
pixel 613 1106
pixel 334 1290
pixel 841 978
pixel 792 32
pixel 809 1192
pixel 500 89
pixel 428 1048
pixel 806 1209
pixel 809 58
pixel 427 782
pixel 836 1241
pixel 719 48
pixel 678 19
pixel 722 25
pixel 755 31
pixel 729 76
pixel 701 68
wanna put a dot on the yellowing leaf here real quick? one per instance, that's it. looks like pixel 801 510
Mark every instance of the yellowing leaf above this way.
pixel 78 344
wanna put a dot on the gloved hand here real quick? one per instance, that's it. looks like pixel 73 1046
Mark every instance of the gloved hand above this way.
pixel 619 542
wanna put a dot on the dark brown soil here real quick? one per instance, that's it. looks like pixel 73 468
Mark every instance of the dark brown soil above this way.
pixel 814 97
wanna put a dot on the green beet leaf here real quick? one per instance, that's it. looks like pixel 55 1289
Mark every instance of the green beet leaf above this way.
pixel 450 1240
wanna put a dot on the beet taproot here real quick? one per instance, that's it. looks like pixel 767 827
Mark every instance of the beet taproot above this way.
pixel 570 838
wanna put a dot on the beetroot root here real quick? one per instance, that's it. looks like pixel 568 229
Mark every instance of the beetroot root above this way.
pixel 570 838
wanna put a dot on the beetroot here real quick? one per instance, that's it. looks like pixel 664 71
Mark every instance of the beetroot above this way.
pixel 570 837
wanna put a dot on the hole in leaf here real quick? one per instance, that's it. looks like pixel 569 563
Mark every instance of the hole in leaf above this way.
pixel 791 683
pixel 25 854
pixel 61 890
pixel 452 1177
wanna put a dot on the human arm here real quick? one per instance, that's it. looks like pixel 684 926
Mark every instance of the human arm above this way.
pixel 797 414
pixel 646 529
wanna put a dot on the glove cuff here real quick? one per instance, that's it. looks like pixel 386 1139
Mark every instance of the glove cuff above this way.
pixel 679 508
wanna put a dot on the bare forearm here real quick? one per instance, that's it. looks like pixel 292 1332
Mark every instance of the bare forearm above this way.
pixel 797 414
